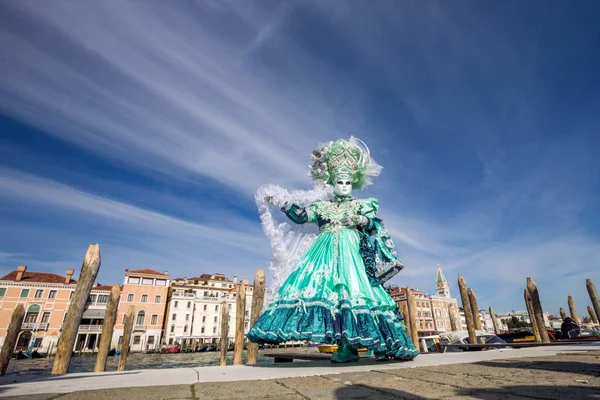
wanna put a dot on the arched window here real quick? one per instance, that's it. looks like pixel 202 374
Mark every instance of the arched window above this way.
pixel 140 318
pixel 24 339
pixel 32 313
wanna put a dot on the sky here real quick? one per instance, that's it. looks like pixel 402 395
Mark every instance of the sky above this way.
pixel 147 127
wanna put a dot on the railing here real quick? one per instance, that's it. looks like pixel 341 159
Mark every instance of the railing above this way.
pixel 213 298
pixel 187 295
pixel 90 328
pixel 34 326
pixel 139 327
pixel 95 304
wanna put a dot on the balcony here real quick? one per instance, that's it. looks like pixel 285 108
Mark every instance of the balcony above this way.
pixel 184 295
pixel 210 298
pixel 90 328
pixel 139 327
pixel 32 326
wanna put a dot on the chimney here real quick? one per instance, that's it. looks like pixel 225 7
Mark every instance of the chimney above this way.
pixel 20 271
pixel 69 275
pixel 235 279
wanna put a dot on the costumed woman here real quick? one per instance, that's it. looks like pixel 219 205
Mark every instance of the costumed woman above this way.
pixel 328 287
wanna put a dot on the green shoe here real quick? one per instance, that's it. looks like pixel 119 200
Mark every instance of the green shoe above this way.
pixel 381 356
pixel 345 353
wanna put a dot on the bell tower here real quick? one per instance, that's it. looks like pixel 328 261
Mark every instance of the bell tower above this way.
pixel 441 284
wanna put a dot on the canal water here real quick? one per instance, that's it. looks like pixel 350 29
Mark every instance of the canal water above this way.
pixel 142 361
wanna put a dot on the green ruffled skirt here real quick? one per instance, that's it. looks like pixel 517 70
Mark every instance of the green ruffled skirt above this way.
pixel 328 298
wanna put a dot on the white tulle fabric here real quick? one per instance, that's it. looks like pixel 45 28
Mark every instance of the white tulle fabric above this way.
pixel 289 241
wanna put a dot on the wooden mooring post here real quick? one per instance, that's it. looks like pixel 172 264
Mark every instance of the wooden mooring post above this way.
pixel 452 319
pixel 573 310
pixel 87 276
pixel 475 310
pixel 593 315
pixel 563 314
pixel 536 305
pixel 14 327
pixel 127 330
pixel 412 316
pixel 406 317
pixel 258 299
pixel 494 318
pixel 108 328
pixel 591 288
pixel 224 333
pixel 240 316
pixel 534 325
pixel 466 303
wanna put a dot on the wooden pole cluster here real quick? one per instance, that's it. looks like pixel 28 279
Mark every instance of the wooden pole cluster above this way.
pixel 240 315
pixel 593 297
pixel 593 315
pixel 494 318
pixel 89 271
pixel 563 314
pixel 224 333
pixel 11 337
pixel 534 325
pixel 107 328
pixel 412 316
pixel 128 329
pixel 537 309
pixel 452 319
pixel 573 310
pixel 466 303
pixel 258 298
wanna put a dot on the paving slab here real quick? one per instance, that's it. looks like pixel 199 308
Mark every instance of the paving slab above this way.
pixel 321 388
pixel 264 389
pixel 174 392
pixel 424 376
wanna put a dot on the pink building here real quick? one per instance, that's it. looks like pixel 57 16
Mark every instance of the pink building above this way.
pixel 147 290
pixel 46 298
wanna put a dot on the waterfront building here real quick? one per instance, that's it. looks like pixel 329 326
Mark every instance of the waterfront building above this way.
pixel 45 297
pixel 486 321
pixel 147 290
pixel 92 320
pixel 522 316
pixel 194 309
pixel 432 310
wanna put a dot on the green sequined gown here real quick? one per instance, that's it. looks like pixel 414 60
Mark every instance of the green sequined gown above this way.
pixel 329 296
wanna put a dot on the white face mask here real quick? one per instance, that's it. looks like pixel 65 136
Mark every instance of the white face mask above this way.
pixel 342 187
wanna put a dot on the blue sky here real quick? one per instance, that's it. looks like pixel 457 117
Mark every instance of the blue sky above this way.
pixel 148 126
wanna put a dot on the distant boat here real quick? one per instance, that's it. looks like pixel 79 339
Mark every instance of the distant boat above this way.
pixel 170 349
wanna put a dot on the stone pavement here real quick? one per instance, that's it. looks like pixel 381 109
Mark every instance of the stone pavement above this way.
pixel 567 375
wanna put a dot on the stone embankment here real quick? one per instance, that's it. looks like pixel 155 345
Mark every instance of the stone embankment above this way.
pixel 572 373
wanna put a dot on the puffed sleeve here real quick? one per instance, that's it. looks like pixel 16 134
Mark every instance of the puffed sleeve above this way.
pixel 369 208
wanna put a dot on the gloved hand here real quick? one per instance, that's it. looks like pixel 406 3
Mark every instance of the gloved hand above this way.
pixel 355 220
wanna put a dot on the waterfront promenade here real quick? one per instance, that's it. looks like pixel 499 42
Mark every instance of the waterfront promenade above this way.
pixel 565 372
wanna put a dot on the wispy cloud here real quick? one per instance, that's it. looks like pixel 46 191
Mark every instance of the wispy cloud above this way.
pixel 133 236
pixel 481 174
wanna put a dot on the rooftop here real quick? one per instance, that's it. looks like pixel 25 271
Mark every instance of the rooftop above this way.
pixel 145 271
pixel 40 277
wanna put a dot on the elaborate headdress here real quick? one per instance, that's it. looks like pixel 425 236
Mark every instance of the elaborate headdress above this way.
pixel 344 159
